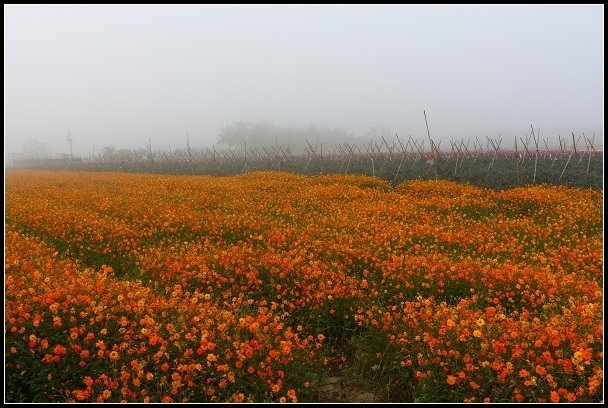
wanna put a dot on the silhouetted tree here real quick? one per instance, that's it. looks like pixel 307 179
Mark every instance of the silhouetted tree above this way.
pixel 35 148
pixel 268 134
pixel 107 152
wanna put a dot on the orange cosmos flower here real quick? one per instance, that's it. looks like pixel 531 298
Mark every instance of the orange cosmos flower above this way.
pixel 285 347
pixel 59 350
pixel 88 381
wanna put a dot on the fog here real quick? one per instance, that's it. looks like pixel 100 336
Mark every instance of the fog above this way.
pixel 129 75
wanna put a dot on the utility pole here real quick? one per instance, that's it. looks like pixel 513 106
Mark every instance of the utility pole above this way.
pixel 70 141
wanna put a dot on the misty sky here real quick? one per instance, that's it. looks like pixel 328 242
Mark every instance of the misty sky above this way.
pixel 118 75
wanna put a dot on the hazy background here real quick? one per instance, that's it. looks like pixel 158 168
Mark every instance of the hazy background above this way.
pixel 120 75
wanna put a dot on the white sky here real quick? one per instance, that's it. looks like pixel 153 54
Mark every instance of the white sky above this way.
pixel 118 75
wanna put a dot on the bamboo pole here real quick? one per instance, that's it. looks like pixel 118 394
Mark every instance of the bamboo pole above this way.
pixel 431 145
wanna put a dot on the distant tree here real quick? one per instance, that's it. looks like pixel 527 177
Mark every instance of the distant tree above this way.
pixel 267 134
pixel 140 153
pixel 236 134
pixel 107 152
pixel 123 154
pixel 35 148
pixel 377 132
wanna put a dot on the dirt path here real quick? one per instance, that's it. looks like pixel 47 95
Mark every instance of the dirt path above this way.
pixel 337 389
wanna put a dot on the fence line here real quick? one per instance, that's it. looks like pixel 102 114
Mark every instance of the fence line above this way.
pixel 393 160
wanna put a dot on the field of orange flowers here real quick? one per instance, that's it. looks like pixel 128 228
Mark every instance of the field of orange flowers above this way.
pixel 150 288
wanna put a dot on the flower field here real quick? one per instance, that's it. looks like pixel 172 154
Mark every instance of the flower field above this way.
pixel 150 288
